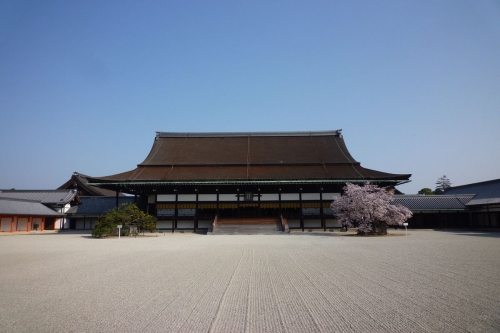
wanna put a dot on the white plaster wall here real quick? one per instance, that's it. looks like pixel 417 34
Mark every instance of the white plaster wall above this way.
pixel 185 224
pixel 294 223
pixel 330 196
pixel 228 197
pixel 5 223
pixel 310 196
pixel 270 197
pixel 289 196
pixel 164 224
pixel 36 220
pixel 207 197
pixel 332 223
pixel 186 197
pixel 312 223
pixel 22 223
pixel 164 197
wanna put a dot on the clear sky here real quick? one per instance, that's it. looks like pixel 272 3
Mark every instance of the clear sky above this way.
pixel 84 85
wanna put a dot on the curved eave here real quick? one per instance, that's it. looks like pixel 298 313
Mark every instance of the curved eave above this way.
pixel 249 182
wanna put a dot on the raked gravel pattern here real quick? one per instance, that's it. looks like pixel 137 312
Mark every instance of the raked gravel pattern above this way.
pixel 428 281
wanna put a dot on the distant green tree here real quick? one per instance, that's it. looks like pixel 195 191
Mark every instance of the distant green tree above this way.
pixel 442 184
pixel 127 215
pixel 426 191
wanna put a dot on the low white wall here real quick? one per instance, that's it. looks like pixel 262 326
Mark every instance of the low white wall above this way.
pixel 312 223
pixel 185 224
pixel 5 223
pixel 22 224
pixel 164 224
pixel 332 223
pixel 36 220
pixel 294 223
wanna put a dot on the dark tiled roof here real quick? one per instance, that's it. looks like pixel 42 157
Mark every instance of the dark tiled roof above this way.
pixel 433 202
pixel 9 206
pixel 97 205
pixel 249 156
pixel 79 181
pixel 47 197
pixel 486 192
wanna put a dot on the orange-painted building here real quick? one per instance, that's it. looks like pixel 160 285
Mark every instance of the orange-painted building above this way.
pixel 25 215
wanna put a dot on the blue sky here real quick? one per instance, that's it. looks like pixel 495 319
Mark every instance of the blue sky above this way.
pixel 84 85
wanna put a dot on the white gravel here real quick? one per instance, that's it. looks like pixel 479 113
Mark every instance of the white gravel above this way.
pixel 429 281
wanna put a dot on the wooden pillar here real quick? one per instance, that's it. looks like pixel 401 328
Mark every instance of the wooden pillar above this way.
pixel 279 202
pixel 174 222
pixel 489 215
pixel 217 203
pixel 301 215
pixel 321 213
pixel 28 224
pixel 258 195
pixel 43 223
pixel 12 224
pixel 195 226
pixel 239 210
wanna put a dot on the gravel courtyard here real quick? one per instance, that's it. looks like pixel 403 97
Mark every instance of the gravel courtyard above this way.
pixel 428 281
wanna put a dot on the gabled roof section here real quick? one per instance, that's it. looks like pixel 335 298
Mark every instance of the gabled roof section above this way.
pixel 433 202
pixel 79 182
pixel 9 206
pixel 46 197
pixel 487 192
pixel 249 156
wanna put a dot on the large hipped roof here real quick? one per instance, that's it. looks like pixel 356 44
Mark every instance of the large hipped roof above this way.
pixel 254 156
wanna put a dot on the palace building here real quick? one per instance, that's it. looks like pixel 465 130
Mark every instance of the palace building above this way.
pixel 191 179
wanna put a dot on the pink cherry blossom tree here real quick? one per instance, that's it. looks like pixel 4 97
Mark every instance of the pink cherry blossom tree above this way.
pixel 368 208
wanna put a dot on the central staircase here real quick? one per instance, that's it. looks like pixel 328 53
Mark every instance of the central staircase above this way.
pixel 247 226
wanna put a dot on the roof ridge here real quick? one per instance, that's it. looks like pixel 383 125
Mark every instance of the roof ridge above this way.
pixel 245 134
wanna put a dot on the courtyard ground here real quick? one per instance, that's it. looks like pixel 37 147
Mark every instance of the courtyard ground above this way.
pixel 428 281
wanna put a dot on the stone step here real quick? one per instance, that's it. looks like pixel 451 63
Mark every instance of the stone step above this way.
pixel 246 229
pixel 247 221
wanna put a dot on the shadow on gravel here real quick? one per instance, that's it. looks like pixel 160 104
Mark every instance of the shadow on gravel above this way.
pixel 49 233
pixel 316 234
pixel 475 233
